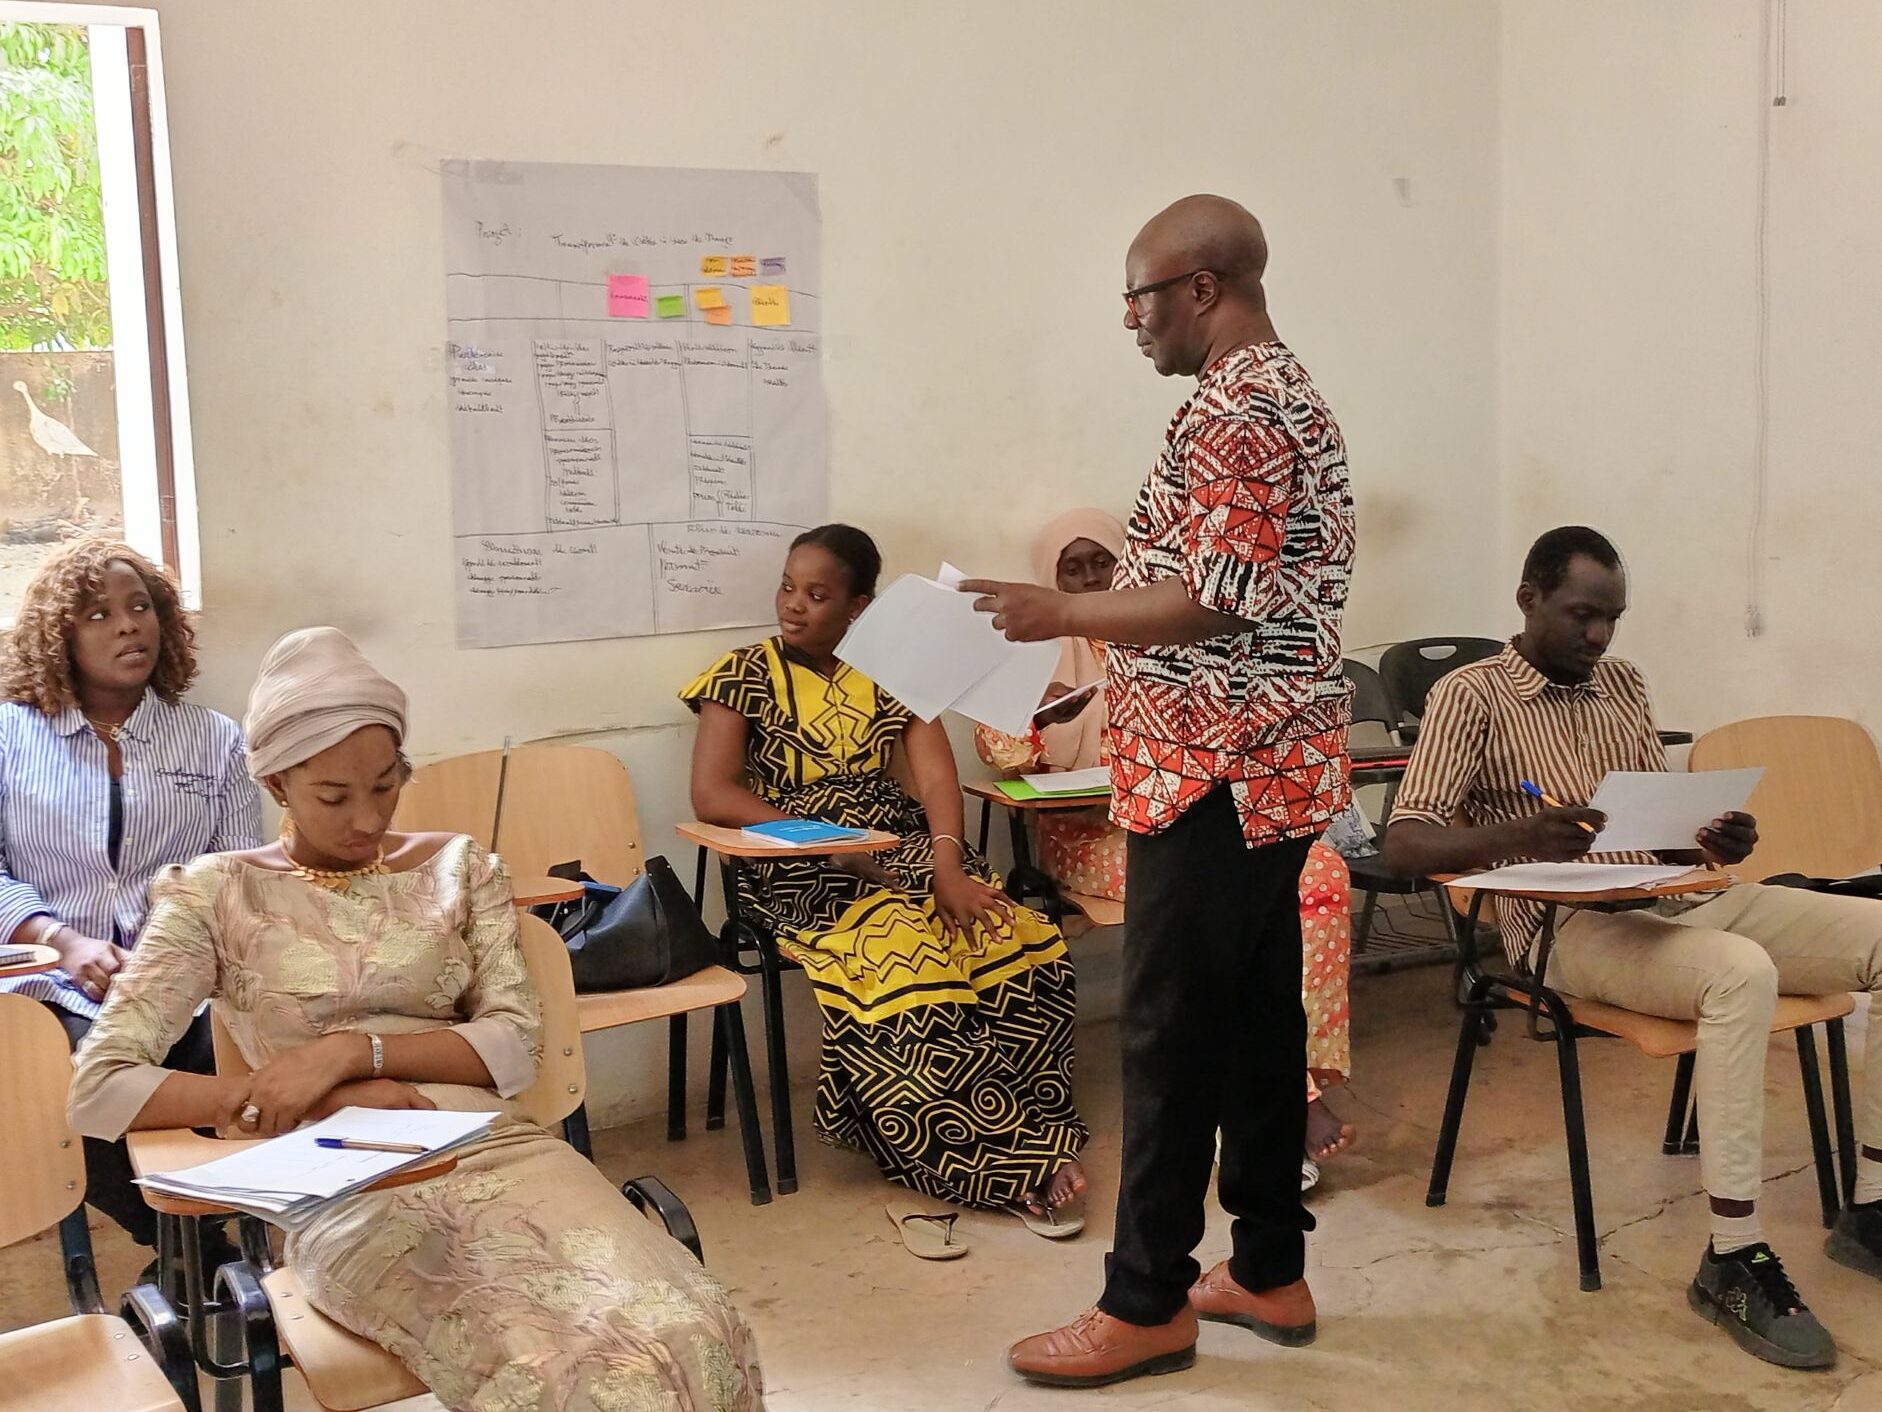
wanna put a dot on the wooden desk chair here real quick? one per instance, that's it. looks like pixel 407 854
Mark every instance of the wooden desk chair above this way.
pixel 1027 879
pixel 563 803
pixel 1819 805
pixel 344 1372
pixel 1570 1019
pixel 744 935
pixel 136 1361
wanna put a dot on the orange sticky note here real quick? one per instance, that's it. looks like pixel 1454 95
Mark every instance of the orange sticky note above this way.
pixel 712 264
pixel 770 305
pixel 744 266
pixel 719 315
pixel 708 296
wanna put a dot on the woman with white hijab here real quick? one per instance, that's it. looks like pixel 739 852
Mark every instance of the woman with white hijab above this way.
pixel 357 966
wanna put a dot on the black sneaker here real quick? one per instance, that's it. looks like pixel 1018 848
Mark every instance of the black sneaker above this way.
pixel 1748 1295
pixel 1856 1239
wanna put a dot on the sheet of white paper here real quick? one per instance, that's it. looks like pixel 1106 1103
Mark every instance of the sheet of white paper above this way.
pixel 927 647
pixel 1071 781
pixel 1651 810
pixel 1568 877
pixel 948 576
pixel 295 1165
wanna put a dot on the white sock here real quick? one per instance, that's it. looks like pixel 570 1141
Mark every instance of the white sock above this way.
pixel 1868 1180
pixel 1731 1233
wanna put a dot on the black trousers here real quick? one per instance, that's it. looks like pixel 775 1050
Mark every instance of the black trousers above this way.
pixel 108 1176
pixel 1214 1037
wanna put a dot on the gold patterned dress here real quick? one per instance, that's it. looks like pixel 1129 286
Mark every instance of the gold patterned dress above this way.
pixel 521 1281
pixel 949 1062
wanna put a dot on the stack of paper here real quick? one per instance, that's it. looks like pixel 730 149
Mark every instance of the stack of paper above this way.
pixel 17 955
pixel 1570 877
pixel 1096 780
pixel 287 1179
pixel 922 642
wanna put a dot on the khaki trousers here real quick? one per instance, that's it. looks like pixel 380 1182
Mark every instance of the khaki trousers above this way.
pixel 1724 964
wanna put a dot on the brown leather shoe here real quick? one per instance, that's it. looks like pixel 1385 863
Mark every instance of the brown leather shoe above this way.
pixel 1095 1349
pixel 1284 1314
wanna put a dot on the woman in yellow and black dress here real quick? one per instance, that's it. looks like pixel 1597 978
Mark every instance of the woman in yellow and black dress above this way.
pixel 948 1012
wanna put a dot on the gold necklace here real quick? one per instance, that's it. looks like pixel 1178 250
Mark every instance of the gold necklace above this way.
pixel 337 879
pixel 105 730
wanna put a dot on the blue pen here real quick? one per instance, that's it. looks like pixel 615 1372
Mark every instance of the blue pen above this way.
pixel 1534 793
pixel 360 1144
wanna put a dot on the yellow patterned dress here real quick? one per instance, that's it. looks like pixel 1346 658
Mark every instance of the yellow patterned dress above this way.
pixel 519 1282
pixel 949 1063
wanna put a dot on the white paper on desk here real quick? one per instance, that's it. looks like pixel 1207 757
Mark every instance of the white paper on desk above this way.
pixel 1653 809
pixel 926 646
pixel 1568 877
pixel 1072 781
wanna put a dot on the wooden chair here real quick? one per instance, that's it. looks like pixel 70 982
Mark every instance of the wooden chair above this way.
pixel 563 803
pixel 1571 1019
pixel 135 1361
pixel 1819 805
pixel 344 1372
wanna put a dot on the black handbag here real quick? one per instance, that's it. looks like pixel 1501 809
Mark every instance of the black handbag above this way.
pixel 624 938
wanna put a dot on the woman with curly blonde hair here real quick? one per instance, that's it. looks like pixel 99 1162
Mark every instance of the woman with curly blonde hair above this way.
pixel 106 776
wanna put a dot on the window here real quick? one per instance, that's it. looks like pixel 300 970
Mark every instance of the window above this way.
pixel 94 426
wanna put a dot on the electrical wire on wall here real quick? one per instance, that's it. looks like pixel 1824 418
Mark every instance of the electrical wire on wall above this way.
pixel 1776 30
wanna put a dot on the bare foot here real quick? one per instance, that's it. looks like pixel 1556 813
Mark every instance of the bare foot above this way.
pixel 1067 1184
pixel 1326 1134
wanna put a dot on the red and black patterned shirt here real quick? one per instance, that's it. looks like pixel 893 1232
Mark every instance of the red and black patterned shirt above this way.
pixel 1251 508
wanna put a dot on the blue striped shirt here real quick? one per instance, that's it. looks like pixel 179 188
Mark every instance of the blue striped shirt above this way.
pixel 186 791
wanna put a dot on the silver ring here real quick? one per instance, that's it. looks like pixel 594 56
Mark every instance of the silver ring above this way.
pixel 251 1115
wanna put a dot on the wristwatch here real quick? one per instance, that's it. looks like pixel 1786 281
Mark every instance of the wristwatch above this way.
pixel 378 1055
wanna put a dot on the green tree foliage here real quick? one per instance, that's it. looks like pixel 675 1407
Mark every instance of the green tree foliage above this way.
pixel 52 233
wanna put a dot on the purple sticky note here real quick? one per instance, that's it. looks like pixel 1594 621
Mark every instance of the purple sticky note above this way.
pixel 771 266
pixel 627 296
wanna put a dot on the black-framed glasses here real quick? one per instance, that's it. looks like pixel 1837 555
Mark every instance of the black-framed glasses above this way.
pixel 1131 296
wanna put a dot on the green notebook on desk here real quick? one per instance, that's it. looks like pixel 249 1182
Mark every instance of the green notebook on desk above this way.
pixel 1019 789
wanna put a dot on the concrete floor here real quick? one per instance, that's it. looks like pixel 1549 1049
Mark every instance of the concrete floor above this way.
pixel 1474 1305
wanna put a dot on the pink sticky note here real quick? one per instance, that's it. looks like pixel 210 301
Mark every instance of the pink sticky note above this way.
pixel 627 296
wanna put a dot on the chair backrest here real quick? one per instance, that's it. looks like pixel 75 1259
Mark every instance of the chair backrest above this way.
pixel 1411 669
pixel 561 1082
pixel 570 801
pixel 457 795
pixel 1371 701
pixel 45 1161
pixel 1819 805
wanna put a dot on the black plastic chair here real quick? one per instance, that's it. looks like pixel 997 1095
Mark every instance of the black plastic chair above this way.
pixel 1411 669
pixel 1373 702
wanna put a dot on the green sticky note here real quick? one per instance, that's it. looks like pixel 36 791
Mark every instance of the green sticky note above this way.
pixel 671 306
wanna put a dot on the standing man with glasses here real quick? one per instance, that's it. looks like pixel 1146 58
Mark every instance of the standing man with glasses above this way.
pixel 1228 715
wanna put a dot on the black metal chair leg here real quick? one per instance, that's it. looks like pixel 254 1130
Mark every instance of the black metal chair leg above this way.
pixel 1576 1129
pixel 1363 932
pixel 1819 1126
pixel 676 1077
pixel 240 1287
pixel 715 1083
pixel 156 1325
pixel 729 1028
pixel 779 1064
pixel 81 1267
pixel 1675 1140
pixel 1468 1033
pixel 575 1131
pixel 1839 1103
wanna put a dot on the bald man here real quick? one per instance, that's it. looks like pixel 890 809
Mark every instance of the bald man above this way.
pixel 1228 715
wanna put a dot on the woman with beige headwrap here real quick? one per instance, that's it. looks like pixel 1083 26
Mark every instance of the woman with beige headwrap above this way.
pixel 1084 852
pixel 357 966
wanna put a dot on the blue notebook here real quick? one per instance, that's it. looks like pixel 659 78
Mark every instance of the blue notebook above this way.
pixel 800 833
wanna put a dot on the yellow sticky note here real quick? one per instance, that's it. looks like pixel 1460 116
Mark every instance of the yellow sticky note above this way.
pixel 719 315
pixel 770 305
pixel 712 264
pixel 708 297
pixel 744 266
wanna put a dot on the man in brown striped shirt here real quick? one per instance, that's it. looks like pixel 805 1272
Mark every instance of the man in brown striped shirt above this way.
pixel 1555 710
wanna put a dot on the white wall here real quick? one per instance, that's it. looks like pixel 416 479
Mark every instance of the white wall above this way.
pixel 1627 365
pixel 983 167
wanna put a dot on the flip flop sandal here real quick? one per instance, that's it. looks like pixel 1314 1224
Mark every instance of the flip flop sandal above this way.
pixel 928 1235
pixel 1053 1223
